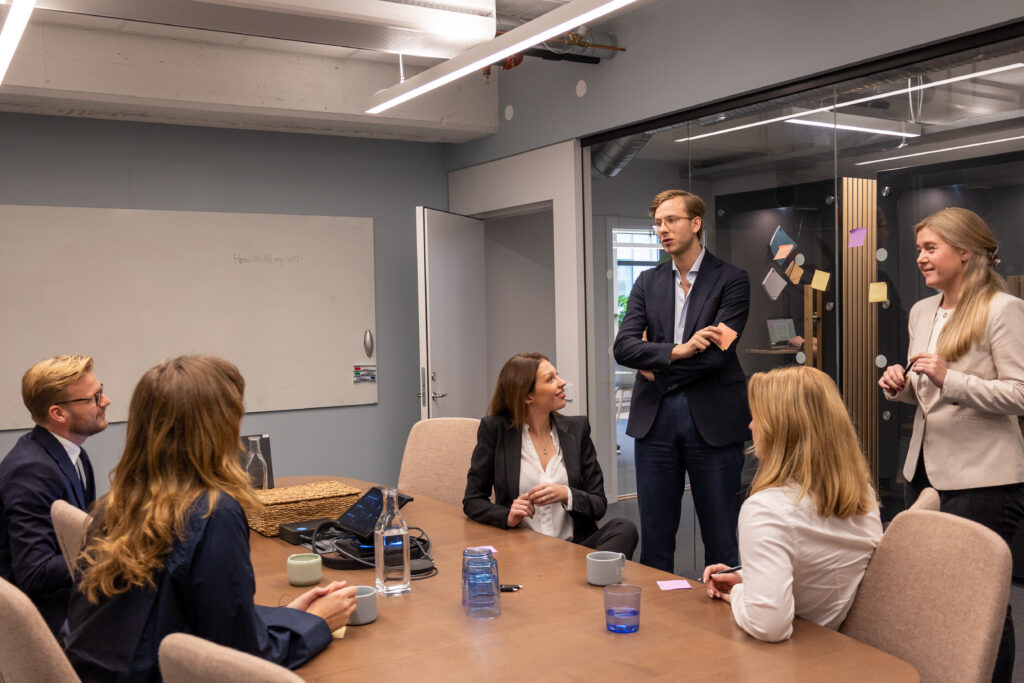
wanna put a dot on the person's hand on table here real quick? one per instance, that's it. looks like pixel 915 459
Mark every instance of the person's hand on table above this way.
pixel 721 585
pixel 522 507
pixel 548 494
pixel 333 603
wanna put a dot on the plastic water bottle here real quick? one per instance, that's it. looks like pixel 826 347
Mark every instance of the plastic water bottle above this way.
pixel 255 465
pixel 391 548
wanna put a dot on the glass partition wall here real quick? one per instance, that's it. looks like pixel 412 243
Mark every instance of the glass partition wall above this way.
pixel 815 195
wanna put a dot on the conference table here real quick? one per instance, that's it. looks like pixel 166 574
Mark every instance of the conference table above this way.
pixel 553 629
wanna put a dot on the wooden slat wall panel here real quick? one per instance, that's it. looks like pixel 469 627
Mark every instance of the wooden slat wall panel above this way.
pixel 860 319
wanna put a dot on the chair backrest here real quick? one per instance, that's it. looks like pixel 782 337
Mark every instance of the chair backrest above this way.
pixel 436 458
pixel 927 500
pixel 28 650
pixel 187 659
pixel 70 523
pixel 935 595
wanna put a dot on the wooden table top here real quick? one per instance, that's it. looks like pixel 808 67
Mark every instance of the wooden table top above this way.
pixel 554 628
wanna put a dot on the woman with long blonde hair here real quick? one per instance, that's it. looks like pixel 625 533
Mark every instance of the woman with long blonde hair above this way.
pixel 811 522
pixel 965 374
pixel 169 549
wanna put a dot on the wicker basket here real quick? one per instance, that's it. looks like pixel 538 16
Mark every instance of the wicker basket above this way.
pixel 305 501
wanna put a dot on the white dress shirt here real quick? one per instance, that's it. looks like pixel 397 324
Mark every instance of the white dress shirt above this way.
pixel 551 520
pixel 796 562
pixel 683 298
pixel 73 451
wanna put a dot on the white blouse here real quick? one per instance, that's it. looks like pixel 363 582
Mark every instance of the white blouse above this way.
pixel 551 520
pixel 796 562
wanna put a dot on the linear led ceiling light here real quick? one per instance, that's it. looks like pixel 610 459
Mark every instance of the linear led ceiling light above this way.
pixel 10 35
pixel 862 100
pixel 559 20
pixel 860 124
pixel 938 151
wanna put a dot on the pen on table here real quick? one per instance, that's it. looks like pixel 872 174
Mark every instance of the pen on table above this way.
pixel 730 570
pixel 510 587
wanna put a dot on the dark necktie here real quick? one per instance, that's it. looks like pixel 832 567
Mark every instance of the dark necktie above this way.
pixel 88 482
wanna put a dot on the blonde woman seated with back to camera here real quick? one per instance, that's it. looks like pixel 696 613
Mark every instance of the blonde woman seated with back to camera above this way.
pixel 811 522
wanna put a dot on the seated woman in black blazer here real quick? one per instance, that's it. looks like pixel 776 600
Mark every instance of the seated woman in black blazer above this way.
pixel 541 465
pixel 169 549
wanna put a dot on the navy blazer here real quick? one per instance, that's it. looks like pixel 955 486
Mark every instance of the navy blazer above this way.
pixel 35 473
pixel 206 589
pixel 715 385
pixel 495 465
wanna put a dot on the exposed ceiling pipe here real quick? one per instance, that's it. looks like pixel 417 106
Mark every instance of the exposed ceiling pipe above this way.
pixel 609 159
pixel 580 43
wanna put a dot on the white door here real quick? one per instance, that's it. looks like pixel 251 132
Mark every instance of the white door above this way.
pixel 452 313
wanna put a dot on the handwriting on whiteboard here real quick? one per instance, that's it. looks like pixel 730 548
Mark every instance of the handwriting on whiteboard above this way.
pixel 268 258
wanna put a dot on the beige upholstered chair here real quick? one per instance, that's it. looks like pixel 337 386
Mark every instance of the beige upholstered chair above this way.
pixel 28 651
pixel 935 596
pixel 70 523
pixel 188 659
pixel 928 500
pixel 436 458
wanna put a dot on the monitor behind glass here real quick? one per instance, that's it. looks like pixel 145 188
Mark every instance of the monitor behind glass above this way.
pixel 780 331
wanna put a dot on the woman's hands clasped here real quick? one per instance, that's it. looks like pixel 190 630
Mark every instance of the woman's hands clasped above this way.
pixel 894 379
pixel 333 603
pixel 542 494
pixel 721 585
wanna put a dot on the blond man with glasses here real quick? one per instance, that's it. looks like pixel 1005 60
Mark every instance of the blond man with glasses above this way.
pixel 67 403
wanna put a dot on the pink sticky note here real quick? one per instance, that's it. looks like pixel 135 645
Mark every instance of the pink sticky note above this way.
pixel 728 336
pixel 783 251
pixel 494 551
pixel 857 237
pixel 675 585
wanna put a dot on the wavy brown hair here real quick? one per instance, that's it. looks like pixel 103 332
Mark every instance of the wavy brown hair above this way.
pixel 805 437
pixel 965 231
pixel 182 441
pixel 515 382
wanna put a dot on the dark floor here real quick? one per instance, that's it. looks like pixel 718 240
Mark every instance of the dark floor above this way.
pixel 690 550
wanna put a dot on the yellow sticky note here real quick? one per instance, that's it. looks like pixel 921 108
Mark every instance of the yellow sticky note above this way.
pixel 820 280
pixel 878 292
pixel 794 272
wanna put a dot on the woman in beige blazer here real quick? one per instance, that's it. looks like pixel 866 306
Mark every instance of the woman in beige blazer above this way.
pixel 966 375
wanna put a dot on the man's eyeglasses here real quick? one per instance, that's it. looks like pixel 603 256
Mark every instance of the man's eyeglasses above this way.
pixel 669 222
pixel 95 398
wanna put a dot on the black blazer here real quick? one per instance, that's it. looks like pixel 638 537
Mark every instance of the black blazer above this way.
pixel 496 461
pixel 35 473
pixel 715 385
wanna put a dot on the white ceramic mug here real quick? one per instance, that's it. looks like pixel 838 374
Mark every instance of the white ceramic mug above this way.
pixel 605 567
pixel 366 606
pixel 304 569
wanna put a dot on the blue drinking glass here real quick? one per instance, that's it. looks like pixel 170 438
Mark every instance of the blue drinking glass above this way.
pixel 622 608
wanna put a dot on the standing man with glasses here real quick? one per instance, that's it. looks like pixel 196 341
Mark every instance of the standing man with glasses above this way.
pixel 67 404
pixel 688 413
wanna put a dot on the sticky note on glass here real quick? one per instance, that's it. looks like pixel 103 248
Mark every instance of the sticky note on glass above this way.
pixel 773 283
pixel 779 243
pixel 728 336
pixel 820 281
pixel 857 237
pixel 878 292
pixel 674 585
pixel 794 272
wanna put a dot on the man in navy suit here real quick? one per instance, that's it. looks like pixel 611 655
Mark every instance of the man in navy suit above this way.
pixel 67 404
pixel 688 413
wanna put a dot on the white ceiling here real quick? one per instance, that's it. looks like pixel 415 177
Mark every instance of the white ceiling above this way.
pixel 288 65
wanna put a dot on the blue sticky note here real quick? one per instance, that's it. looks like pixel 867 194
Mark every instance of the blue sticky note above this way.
pixel 781 245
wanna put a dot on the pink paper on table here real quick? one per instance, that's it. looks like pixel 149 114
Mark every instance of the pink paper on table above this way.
pixel 728 336
pixel 857 237
pixel 675 585
pixel 494 551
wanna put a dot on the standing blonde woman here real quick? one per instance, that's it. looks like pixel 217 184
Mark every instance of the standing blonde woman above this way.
pixel 966 362
pixel 169 550
pixel 811 522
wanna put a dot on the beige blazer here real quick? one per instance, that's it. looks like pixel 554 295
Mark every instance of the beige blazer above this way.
pixel 969 430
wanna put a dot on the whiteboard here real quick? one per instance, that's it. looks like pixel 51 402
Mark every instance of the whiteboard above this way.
pixel 286 298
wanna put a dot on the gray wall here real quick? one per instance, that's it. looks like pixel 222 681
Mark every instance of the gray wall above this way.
pixel 682 54
pixel 79 162
pixel 520 257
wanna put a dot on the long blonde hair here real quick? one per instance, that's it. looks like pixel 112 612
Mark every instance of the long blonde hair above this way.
pixel 182 440
pixel 965 231
pixel 804 436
